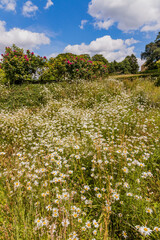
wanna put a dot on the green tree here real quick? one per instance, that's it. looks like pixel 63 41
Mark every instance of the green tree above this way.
pixel 158 65
pixel 152 53
pixel 111 68
pixel 99 58
pixel 134 67
pixel 125 66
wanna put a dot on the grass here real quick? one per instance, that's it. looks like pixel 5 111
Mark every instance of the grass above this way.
pixel 80 161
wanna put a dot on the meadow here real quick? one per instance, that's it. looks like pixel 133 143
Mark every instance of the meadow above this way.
pixel 80 161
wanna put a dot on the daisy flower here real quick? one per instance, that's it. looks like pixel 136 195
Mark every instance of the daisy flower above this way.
pixel 145 231
pixel 88 224
pixel 99 195
pixel 95 223
pixel 149 210
pixel 124 234
pixel 65 223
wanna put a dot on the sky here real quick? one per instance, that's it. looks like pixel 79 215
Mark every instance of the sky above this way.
pixel 114 28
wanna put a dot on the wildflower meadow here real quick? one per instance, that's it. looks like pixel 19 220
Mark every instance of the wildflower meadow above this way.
pixel 81 165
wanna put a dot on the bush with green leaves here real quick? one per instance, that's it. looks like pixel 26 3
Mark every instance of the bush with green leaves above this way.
pixel 70 67
pixel 158 65
pixel 3 79
pixel 158 79
pixel 20 66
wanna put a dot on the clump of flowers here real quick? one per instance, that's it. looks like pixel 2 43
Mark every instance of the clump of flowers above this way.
pixel 19 66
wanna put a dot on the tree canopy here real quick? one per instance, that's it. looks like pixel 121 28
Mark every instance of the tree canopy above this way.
pixel 100 58
pixel 152 53
pixel 128 65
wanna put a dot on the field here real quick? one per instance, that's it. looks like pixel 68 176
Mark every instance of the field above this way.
pixel 80 161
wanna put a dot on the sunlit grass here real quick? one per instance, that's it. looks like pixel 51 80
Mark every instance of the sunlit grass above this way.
pixel 82 164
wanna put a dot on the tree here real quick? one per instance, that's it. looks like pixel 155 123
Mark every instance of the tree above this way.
pixel 111 68
pixel 152 53
pixel 134 67
pixel 125 66
pixel 128 65
pixel 99 58
pixel 158 65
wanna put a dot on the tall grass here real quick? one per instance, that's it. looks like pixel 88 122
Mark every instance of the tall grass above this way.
pixel 81 164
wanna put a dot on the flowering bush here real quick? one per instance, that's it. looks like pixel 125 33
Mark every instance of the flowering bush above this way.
pixel 69 67
pixel 19 66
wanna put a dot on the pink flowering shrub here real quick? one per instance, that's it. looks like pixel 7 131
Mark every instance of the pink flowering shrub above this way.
pixel 71 67
pixel 19 66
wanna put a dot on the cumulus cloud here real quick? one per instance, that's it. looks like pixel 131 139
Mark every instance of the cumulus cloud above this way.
pixel 111 49
pixel 152 27
pixel 48 4
pixel 20 37
pixel 129 14
pixel 29 9
pixel 131 41
pixel 103 24
pixel 83 22
pixel 9 5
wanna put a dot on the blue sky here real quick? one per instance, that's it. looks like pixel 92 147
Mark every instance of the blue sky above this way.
pixel 114 28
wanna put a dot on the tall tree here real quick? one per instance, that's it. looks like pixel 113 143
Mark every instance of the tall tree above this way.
pixel 100 58
pixel 152 53
pixel 134 67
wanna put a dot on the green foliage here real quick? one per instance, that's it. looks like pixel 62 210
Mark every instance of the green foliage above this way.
pixel 19 66
pixel 152 53
pixel 100 58
pixel 26 95
pixel 3 79
pixel 158 65
pixel 158 79
pixel 128 65
pixel 134 67
pixel 71 67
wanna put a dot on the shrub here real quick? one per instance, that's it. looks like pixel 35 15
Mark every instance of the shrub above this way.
pixel 158 79
pixel 19 66
pixel 3 79
pixel 70 67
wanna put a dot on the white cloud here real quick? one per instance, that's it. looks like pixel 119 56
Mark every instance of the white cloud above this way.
pixel 152 27
pixel 103 24
pixel 9 5
pixel 20 37
pixel 130 41
pixel 48 4
pixel 129 14
pixel 111 49
pixel 29 9
pixel 140 62
pixel 83 22
pixel 53 55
